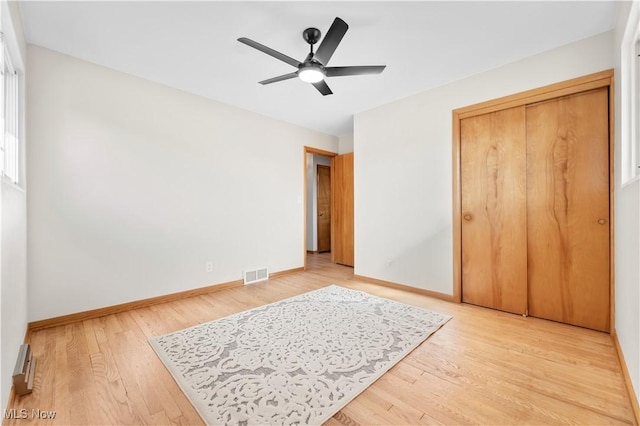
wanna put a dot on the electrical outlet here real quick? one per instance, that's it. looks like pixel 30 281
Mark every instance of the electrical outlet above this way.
pixel 209 266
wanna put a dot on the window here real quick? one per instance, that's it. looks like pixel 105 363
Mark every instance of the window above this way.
pixel 630 96
pixel 9 118
pixel 635 139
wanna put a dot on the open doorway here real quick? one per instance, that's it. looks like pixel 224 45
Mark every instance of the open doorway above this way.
pixel 329 232
pixel 323 207
pixel 318 203
pixel 318 195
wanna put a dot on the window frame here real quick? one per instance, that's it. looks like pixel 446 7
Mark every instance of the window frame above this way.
pixel 10 143
pixel 635 111
pixel 630 97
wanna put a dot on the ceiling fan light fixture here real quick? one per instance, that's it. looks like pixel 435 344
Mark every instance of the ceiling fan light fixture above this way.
pixel 311 74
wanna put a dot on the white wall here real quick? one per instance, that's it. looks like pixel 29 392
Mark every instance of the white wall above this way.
pixel 345 144
pixel 403 152
pixel 627 198
pixel 312 198
pixel 628 277
pixel 13 231
pixel 134 186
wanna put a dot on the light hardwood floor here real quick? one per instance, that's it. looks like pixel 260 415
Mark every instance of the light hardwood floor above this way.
pixel 482 367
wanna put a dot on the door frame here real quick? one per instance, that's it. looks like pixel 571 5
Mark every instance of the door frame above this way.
pixel 309 150
pixel 568 87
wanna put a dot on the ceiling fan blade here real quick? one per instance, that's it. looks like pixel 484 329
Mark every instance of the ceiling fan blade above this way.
pixel 330 41
pixel 279 78
pixel 269 51
pixel 357 70
pixel 322 88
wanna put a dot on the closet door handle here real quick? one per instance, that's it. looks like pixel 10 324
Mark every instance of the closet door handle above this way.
pixel 468 217
pixel 602 221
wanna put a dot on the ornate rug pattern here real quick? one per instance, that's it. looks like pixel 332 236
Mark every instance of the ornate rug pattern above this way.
pixel 296 361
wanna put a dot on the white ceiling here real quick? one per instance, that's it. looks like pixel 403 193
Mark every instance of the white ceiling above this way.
pixel 192 45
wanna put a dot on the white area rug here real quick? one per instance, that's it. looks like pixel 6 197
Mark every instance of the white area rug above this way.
pixel 297 361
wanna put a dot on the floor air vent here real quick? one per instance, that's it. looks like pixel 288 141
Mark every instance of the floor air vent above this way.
pixel 256 275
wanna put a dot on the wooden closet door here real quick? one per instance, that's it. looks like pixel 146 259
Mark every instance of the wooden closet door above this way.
pixel 568 209
pixel 342 220
pixel 493 196
pixel 323 203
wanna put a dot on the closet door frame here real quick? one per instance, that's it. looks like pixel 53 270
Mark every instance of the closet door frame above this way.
pixel 569 87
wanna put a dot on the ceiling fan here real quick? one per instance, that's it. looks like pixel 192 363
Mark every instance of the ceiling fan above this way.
pixel 314 69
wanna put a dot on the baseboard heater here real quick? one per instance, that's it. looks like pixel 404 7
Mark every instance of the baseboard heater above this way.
pixel 25 371
pixel 256 275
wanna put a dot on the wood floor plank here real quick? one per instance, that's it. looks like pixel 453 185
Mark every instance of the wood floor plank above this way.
pixel 482 367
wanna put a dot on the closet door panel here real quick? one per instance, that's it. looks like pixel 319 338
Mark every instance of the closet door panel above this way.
pixel 493 191
pixel 568 209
